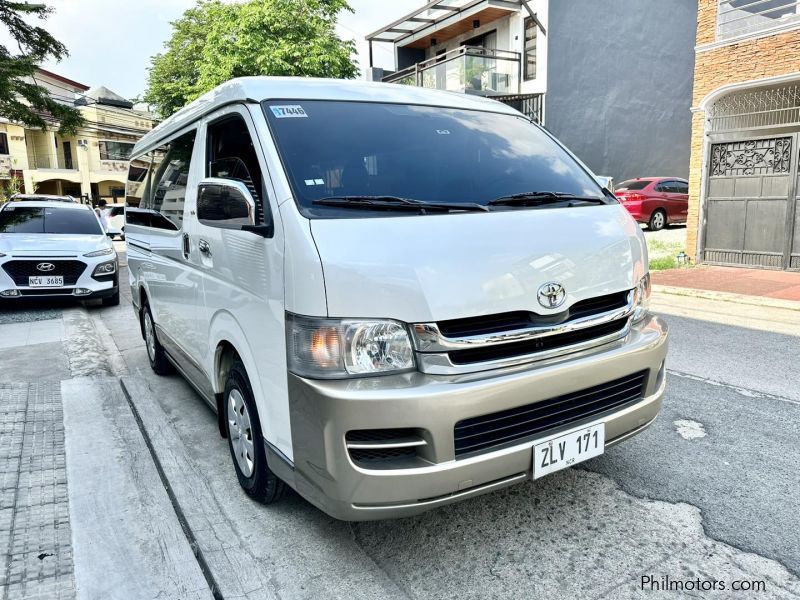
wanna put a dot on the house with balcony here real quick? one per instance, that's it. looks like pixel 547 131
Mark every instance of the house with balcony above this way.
pixel 92 163
pixel 744 197
pixel 611 78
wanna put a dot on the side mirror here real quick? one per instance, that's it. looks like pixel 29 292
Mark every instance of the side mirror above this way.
pixel 110 235
pixel 228 204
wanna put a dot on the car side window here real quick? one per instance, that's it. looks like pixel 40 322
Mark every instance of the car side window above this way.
pixel 232 155
pixel 661 186
pixel 157 182
pixel 681 187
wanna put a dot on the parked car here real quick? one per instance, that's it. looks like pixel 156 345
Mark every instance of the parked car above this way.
pixel 116 220
pixel 54 248
pixel 656 201
pixel 394 298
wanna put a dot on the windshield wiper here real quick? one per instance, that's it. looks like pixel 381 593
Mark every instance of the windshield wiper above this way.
pixel 396 203
pixel 541 198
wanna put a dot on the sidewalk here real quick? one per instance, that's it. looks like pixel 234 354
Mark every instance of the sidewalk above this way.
pixel 83 511
pixel 774 285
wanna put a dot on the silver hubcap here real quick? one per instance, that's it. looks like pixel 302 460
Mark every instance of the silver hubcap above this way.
pixel 240 432
pixel 149 336
pixel 658 220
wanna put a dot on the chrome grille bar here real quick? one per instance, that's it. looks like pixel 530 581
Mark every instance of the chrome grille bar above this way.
pixel 428 338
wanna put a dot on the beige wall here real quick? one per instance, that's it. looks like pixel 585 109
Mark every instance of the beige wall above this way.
pixel 18 153
pixel 743 61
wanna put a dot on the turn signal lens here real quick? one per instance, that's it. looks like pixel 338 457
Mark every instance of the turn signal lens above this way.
pixel 641 298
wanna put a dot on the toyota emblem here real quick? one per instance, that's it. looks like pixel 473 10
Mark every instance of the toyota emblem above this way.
pixel 552 295
pixel 45 267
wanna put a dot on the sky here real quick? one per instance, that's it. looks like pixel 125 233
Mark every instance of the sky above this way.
pixel 111 41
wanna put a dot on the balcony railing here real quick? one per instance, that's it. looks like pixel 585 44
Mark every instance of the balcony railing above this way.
pixel 466 69
pixel 739 18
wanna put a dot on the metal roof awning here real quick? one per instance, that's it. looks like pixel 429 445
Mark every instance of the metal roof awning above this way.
pixel 440 14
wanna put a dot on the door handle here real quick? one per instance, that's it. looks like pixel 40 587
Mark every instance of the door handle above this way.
pixel 186 246
pixel 204 248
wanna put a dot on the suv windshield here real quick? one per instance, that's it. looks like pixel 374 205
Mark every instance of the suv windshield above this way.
pixel 334 149
pixel 36 219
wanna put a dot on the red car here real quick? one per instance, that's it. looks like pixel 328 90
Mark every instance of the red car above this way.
pixel 657 201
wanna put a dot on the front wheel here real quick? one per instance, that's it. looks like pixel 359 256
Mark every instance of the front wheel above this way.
pixel 658 220
pixel 245 440
pixel 155 351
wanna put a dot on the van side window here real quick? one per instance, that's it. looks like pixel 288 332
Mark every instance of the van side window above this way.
pixel 137 181
pixel 231 155
pixel 157 184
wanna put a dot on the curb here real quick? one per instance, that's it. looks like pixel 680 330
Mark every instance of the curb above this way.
pixel 727 297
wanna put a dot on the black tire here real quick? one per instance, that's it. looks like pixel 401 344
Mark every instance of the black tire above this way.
pixel 261 484
pixel 658 220
pixel 112 300
pixel 155 351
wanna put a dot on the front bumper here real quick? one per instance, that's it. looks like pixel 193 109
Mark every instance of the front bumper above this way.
pixel 322 412
pixel 85 288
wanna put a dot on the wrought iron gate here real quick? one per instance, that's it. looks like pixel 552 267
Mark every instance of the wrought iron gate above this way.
pixel 751 203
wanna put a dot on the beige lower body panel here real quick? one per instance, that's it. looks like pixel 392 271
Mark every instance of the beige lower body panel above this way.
pixel 322 412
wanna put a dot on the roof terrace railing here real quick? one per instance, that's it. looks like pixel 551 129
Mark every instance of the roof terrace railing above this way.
pixel 466 69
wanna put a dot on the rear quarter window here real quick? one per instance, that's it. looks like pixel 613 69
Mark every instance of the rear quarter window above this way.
pixel 633 184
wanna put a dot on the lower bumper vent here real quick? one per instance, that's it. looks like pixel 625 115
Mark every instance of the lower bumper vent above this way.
pixel 516 424
pixel 383 448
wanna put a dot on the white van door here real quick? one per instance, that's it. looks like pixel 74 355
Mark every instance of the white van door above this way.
pixel 243 271
pixel 171 282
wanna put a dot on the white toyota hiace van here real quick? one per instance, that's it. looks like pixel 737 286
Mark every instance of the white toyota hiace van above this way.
pixel 393 297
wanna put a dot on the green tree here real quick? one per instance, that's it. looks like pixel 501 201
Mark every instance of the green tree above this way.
pixel 214 42
pixel 21 99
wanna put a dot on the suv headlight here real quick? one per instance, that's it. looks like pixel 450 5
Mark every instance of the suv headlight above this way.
pixel 340 348
pixel 106 268
pixel 641 298
pixel 102 252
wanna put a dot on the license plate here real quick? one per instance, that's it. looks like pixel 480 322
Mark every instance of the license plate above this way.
pixel 568 449
pixel 46 281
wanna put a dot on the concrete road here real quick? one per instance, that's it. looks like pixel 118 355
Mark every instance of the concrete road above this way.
pixel 708 492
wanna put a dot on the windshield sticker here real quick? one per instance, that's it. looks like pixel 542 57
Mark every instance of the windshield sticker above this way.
pixel 314 182
pixel 289 111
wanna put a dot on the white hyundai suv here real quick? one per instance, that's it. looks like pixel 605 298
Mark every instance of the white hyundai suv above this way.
pixel 50 248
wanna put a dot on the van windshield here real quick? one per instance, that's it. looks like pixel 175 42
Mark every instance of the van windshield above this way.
pixel 348 150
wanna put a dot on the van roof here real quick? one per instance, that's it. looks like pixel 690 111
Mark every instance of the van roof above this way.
pixel 258 89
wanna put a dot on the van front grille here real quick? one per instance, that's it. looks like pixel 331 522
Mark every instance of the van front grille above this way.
pixel 511 426
pixel 500 322
pixel 531 346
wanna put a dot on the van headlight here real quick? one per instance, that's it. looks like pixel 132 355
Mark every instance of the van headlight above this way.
pixel 338 348
pixel 641 298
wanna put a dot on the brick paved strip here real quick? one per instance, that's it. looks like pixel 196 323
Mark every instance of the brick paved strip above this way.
pixel 35 538
pixel 127 540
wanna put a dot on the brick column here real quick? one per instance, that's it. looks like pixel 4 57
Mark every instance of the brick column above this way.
pixel 695 182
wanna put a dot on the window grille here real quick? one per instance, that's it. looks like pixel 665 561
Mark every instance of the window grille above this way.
pixel 756 108
pixel 736 18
